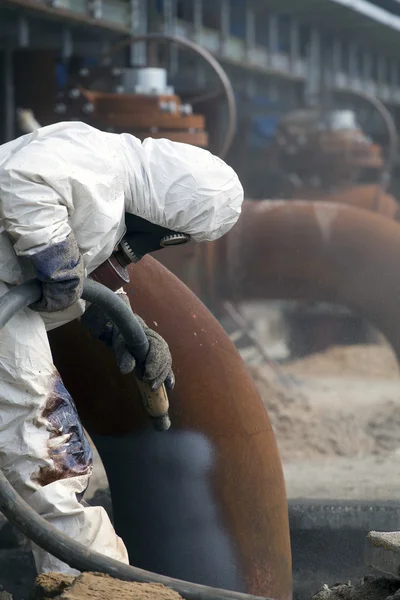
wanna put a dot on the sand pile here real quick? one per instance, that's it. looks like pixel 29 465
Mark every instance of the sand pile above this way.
pixel 344 402
pixel 96 586
pixel 369 361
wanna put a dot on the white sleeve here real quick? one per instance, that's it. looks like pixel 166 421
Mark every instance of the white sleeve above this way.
pixel 65 176
pixel 32 212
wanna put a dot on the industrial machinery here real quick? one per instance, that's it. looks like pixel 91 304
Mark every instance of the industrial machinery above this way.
pixel 317 151
pixel 322 153
pixel 140 101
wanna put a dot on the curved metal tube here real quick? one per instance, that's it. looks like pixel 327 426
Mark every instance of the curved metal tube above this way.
pixel 367 196
pixel 321 252
pixel 207 57
pixel 206 501
pixel 246 264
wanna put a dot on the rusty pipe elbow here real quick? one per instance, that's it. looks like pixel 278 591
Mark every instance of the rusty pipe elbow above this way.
pixel 317 251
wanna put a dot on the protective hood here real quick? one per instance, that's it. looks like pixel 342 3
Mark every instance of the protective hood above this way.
pixel 181 187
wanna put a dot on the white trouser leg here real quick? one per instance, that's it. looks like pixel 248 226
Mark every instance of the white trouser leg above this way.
pixel 44 452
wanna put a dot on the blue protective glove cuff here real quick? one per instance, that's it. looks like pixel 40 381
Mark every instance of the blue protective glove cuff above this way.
pixel 60 269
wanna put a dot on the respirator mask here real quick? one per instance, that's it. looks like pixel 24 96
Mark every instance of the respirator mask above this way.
pixel 140 238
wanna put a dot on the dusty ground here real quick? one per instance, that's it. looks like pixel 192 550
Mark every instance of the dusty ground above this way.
pixel 336 416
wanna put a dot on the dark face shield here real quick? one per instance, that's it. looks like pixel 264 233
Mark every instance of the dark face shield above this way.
pixel 142 237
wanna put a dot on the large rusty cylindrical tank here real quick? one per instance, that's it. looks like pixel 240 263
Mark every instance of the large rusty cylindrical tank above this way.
pixel 205 501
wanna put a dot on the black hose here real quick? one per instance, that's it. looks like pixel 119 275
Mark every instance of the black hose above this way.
pixel 77 556
pixel 19 298
pixel 23 295
pixel 121 315
pixel 35 527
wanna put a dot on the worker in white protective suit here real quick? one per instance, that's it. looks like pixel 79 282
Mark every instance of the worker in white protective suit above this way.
pixel 65 191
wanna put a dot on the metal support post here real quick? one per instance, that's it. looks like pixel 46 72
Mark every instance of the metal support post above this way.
pixel 294 44
pixel 325 78
pixel 139 21
pixel 394 79
pixel 366 66
pixel 337 54
pixel 170 27
pixel 198 20
pixel 394 74
pixel 170 16
pixel 381 70
pixel 273 38
pixel 313 83
pixel 250 32
pixel 353 62
pixel 201 77
pixel 66 43
pixel 383 78
pixel 23 32
pixel 273 90
pixel 250 85
pixel 225 20
pixel 8 91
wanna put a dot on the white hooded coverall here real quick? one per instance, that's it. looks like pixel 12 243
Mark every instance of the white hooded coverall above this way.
pixel 70 176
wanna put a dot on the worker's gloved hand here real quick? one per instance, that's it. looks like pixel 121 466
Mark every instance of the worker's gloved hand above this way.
pixel 158 366
pixel 60 269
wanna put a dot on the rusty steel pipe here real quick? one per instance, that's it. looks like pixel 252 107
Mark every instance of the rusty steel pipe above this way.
pixel 204 502
pixel 303 250
pixel 367 196
pixel 320 252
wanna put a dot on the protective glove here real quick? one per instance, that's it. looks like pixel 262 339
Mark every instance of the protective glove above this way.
pixel 158 365
pixel 60 269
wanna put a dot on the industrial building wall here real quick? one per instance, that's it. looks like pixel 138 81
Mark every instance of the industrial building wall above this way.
pixel 279 54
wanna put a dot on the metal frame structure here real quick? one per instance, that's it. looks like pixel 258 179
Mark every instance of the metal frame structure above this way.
pixel 345 44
